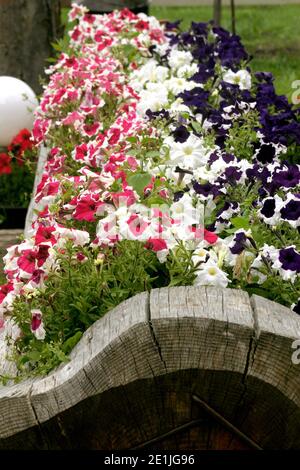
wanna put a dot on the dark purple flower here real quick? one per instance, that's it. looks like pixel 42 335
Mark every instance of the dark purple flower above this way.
pixel 228 157
pixel 268 208
pixel 229 49
pixel 213 158
pixel 266 153
pixel 206 189
pixel 291 211
pixel 171 26
pixel 264 77
pixel 232 174
pixel 239 244
pixel 289 177
pixel 232 206
pixel 178 195
pixel 181 134
pixel 224 208
pixel 199 29
pixel 196 97
pixel 296 307
pixel 163 114
pixel 262 192
pixel 205 71
pixel 289 259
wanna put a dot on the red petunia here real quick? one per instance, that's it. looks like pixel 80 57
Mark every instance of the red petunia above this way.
pixel 5 164
pixel 156 244
pixel 30 260
pixel 86 209
pixel 4 290
pixel 210 237
pixel 20 143
pixel 45 234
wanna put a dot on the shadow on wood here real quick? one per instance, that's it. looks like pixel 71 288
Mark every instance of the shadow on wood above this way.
pixel 135 378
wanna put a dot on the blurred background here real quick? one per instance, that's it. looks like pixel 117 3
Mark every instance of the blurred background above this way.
pixel 269 30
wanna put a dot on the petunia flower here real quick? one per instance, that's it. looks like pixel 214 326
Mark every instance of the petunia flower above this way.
pixel 37 326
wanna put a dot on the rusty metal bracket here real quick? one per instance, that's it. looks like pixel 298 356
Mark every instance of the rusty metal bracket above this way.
pixel 225 422
pixel 183 427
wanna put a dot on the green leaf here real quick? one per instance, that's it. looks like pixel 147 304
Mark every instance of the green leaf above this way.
pixel 139 181
pixel 33 356
pixel 197 126
pixel 240 222
pixel 71 342
pixel 132 139
pixel 152 154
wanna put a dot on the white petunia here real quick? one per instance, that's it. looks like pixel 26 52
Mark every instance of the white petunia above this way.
pixel 178 58
pixel 187 71
pixel 210 274
pixel 189 154
pixel 242 78
pixel 177 85
pixel 184 211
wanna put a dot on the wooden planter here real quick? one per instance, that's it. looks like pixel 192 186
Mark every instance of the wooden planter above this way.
pixel 182 368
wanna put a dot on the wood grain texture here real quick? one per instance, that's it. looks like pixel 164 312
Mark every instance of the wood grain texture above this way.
pixel 132 376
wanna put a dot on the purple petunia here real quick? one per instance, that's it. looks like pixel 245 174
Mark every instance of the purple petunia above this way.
pixel 289 259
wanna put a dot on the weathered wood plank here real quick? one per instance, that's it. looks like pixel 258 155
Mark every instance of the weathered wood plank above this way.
pixel 133 374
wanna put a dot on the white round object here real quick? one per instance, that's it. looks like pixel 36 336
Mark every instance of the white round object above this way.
pixel 17 103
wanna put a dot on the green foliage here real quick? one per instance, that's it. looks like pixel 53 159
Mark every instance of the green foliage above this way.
pixel 138 181
pixel 16 187
pixel 181 267
pixel 242 134
pixel 78 295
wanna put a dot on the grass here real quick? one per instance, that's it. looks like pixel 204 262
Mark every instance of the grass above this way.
pixel 269 33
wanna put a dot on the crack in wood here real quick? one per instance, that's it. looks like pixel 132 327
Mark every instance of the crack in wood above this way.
pixel 152 331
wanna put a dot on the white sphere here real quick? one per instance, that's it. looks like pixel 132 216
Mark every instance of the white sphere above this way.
pixel 17 103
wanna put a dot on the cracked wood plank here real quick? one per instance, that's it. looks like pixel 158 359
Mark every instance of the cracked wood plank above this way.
pixel 132 376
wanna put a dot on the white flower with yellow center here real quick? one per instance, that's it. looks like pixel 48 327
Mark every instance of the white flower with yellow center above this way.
pixel 242 78
pixel 190 154
pixel 210 274
pixel 178 59
pixel 177 85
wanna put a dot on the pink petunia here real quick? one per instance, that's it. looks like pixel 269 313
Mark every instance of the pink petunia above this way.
pixel 37 326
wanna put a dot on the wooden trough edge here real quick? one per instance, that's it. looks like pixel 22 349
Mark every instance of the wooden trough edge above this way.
pixel 158 333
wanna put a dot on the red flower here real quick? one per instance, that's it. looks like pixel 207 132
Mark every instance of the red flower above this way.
pixel 36 320
pixel 45 234
pixel 210 237
pixel 140 25
pixel 20 143
pixel 86 209
pixel 4 290
pixel 30 260
pixel 156 244
pixel 5 164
